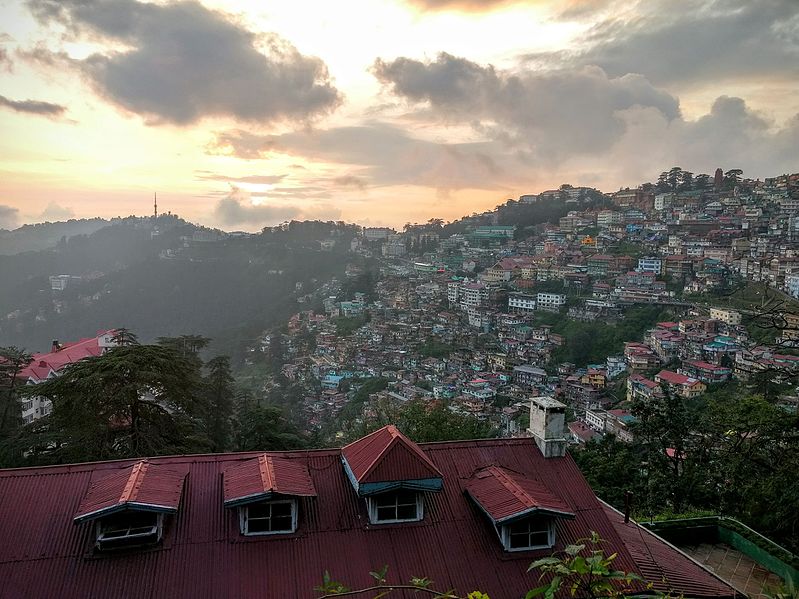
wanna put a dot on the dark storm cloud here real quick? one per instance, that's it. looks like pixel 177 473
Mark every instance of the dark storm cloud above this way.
pixel 387 155
pixel 9 217
pixel 701 41
pixel 564 111
pixel 182 62
pixel 33 107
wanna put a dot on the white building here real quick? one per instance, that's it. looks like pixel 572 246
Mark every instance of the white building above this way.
pixel 552 302
pixel 650 264
pixel 520 302
pixel 792 284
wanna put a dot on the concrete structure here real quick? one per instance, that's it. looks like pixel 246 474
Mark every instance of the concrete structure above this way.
pixel 548 426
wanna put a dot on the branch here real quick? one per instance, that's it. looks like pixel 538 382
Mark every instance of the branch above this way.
pixel 394 587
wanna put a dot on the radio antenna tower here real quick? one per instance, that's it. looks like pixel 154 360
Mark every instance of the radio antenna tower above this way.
pixel 155 204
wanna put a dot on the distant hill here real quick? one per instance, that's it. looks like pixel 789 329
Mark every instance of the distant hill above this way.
pixel 42 236
pixel 166 278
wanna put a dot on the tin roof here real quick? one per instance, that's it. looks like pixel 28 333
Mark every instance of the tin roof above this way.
pixel 260 478
pixel 203 554
pixel 505 495
pixel 388 455
pixel 141 486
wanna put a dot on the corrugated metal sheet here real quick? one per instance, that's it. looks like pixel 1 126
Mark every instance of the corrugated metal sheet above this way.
pixel 665 566
pixel 388 455
pixel 504 494
pixel 203 555
pixel 265 475
pixel 141 484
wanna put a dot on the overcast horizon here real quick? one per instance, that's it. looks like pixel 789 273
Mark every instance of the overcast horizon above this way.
pixel 242 116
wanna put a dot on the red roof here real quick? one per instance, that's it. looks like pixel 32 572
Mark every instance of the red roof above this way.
pixel 54 361
pixel 203 553
pixel 504 494
pixel 665 566
pixel 675 378
pixel 704 365
pixel 388 455
pixel 141 486
pixel 257 479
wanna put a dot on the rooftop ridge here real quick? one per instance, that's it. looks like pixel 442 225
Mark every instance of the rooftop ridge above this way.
pixel 134 483
pixel 513 486
pixel 267 470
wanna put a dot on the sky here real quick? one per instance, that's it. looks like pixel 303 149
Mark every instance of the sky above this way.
pixel 244 114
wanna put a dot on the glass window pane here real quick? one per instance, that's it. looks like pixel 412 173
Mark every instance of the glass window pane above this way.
pixel 258 525
pixel 406 512
pixel 259 510
pixel 281 509
pixel 281 523
pixel 387 512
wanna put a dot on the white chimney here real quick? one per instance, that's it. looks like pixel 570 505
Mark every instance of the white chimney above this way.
pixel 548 426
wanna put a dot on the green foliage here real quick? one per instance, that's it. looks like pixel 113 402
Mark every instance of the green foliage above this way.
pixel 346 326
pixel 12 361
pixel 433 348
pixel 592 342
pixel 219 392
pixel 421 421
pixel 265 428
pixel 134 400
pixel 585 571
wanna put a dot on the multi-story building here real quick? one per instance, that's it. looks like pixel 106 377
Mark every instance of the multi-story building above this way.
pixel 651 264
pixel 48 365
pixel 679 384
pixel 551 302
pixel 730 317
pixel 521 303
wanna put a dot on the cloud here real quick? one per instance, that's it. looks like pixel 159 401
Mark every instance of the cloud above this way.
pixel 350 181
pixel 386 155
pixel 702 41
pixel 178 63
pixel 54 213
pixel 33 107
pixel 480 6
pixel 5 60
pixel 9 217
pixel 237 210
pixel 552 113
pixel 254 179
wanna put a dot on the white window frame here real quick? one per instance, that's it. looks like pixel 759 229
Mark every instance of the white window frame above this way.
pixel 102 528
pixel 372 505
pixel 244 519
pixel 505 536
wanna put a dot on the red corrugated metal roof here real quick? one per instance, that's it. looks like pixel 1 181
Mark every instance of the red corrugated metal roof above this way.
pixel 203 553
pixel 42 364
pixel 388 455
pixel 504 495
pixel 255 479
pixel 665 566
pixel 141 485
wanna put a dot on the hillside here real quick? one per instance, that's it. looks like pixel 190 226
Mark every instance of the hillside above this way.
pixel 177 279
pixel 42 236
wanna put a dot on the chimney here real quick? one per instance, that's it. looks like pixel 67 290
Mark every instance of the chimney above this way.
pixel 548 426
pixel 56 346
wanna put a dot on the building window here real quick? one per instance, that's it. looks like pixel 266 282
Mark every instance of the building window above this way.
pixel 399 506
pixel 269 518
pixel 536 532
pixel 129 529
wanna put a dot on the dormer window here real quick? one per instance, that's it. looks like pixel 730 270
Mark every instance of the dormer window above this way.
pixel 129 506
pixel 269 517
pixel 266 491
pixel 535 532
pixel 399 506
pixel 129 529
pixel 392 473
pixel 522 509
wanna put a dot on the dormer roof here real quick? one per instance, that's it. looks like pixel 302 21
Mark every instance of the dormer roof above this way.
pixel 506 495
pixel 263 477
pixel 141 486
pixel 387 459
